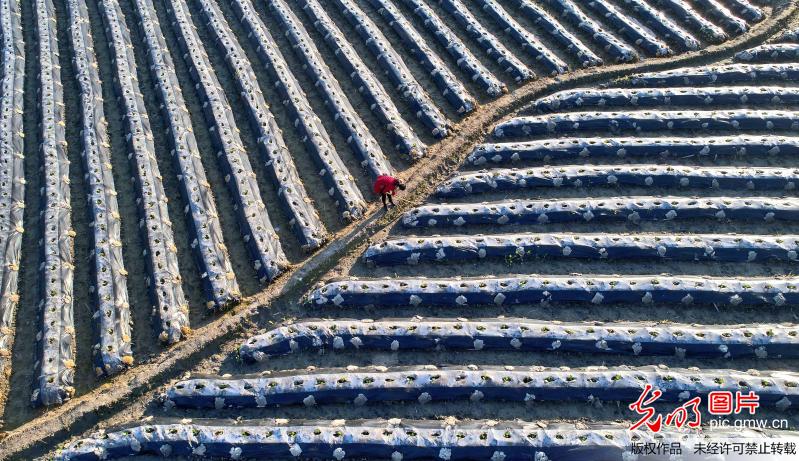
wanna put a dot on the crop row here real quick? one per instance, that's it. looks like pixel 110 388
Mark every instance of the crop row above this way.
pixel 746 10
pixel 661 23
pixel 790 36
pixel 771 53
pixel 262 242
pixel 56 352
pixel 113 352
pixel 518 247
pixel 619 209
pixel 703 247
pixel 527 40
pixel 718 75
pixel 492 47
pixel 164 279
pixel 723 15
pixel 211 255
pixel 740 119
pixel 334 172
pixel 394 439
pixel 394 67
pixel 515 334
pixel 690 17
pixel 452 89
pixel 347 119
pixel 544 289
pixel 464 59
pixel 627 175
pixel 12 172
pixel 678 147
pixel 294 198
pixel 629 28
pixel 404 138
pixel 681 96
pixel 512 384
pixel 612 45
pixel 560 34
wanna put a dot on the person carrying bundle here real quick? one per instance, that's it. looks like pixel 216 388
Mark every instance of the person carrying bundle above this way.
pixel 385 186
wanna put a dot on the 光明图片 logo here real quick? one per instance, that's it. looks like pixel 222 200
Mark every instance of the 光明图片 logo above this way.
pixel 719 403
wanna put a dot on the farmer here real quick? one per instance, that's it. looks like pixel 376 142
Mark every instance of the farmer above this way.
pixel 385 185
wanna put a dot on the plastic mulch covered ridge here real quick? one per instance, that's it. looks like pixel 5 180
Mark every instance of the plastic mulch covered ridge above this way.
pixel 527 40
pixel 719 75
pixel 55 360
pixel 349 122
pixel 629 28
pixel 679 96
pixel 771 53
pixel 684 12
pixel 334 173
pixel 12 173
pixel 451 88
pixel 516 334
pixel 527 289
pixel 463 57
pixel 643 175
pixel 790 36
pixel 394 67
pixel 492 46
pixel 650 120
pixel 734 15
pixel 164 279
pixel 559 33
pixel 305 220
pixel 259 234
pixel 716 11
pixel 210 253
pixel 113 351
pixel 362 386
pixel 660 22
pixel 632 209
pixel 393 439
pixel 664 146
pixel 520 247
pixel 617 49
pixel 403 136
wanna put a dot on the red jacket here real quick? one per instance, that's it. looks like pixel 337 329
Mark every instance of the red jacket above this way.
pixel 385 184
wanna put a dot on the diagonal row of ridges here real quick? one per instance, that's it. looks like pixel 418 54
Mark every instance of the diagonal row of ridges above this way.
pixel 210 251
pixel 396 69
pixel 451 88
pixel 268 257
pixel 335 175
pixel 360 139
pixel 164 279
pixel 405 139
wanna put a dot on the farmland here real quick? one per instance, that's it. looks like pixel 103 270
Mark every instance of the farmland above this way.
pixel 601 195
